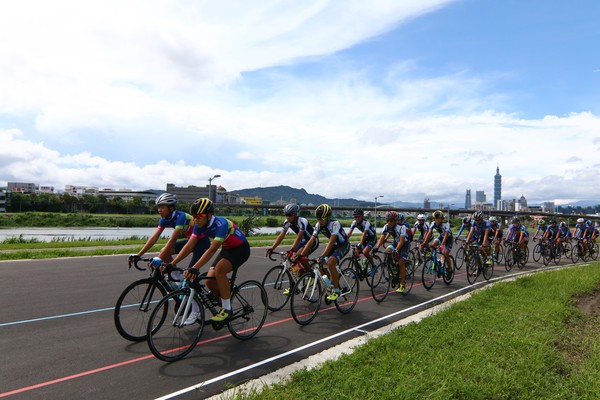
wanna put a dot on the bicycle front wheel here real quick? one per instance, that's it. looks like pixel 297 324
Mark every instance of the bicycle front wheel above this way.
pixel 509 258
pixel 348 283
pixel 428 274
pixel 500 254
pixel 488 270
pixel 278 282
pixel 171 336
pixel 249 310
pixel 537 252
pixel 410 276
pixel 594 251
pixel 380 283
pixel 449 276
pixel 134 306
pixel 306 298
pixel 472 269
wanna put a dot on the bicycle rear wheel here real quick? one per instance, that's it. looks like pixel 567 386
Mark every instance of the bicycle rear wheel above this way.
pixel 576 253
pixel 428 274
pixel 410 276
pixel 594 251
pixel 306 298
pixel 500 254
pixel 461 255
pixel 348 283
pixel 523 257
pixel 169 339
pixel 276 282
pixel 249 310
pixel 134 306
pixel 449 276
pixel 509 258
pixel 380 285
pixel 537 252
pixel 376 262
pixel 547 256
pixel 488 270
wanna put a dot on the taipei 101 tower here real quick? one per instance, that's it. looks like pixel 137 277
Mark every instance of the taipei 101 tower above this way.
pixel 497 187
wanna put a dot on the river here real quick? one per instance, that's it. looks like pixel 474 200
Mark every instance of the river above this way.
pixel 71 234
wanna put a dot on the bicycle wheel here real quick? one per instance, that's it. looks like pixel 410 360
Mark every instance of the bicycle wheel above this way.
pixel 134 306
pixel 472 269
pixel 349 287
pixel 306 298
pixel 557 255
pixel 567 248
pixel 547 256
pixel 410 276
pixel 428 274
pixel 249 310
pixel 523 257
pixel 509 258
pixel 169 338
pixel 537 252
pixel 376 262
pixel 380 284
pixel 500 254
pixel 278 282
pixel 488 270
pixel 449 276
pixel 461 255
pixel 576 253
pixel 594 252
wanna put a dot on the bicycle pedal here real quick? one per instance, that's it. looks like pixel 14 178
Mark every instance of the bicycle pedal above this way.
pixel 217 325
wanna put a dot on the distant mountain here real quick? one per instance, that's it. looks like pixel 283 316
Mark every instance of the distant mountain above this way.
pixel 301 196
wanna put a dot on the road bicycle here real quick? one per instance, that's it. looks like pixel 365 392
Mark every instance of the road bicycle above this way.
pixel 498 255
pixel 136 302
pixel 279 280
pixel 478 264
pixel 313 286
pixel 435 268
pixel 514 255
pixel 364 271
pixel 171 336
pixel 538 250
pixel 462 256
pixel 584 253
pixel 387 277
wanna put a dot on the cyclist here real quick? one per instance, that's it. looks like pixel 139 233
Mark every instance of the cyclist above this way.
pixel 368 237
pixel 466 224
pixel 183 226
pixel 518 233
pixel 541 228
pixel 496 235
pixel 552 232
pixel 234 252
pixel 581 232
pixel 480 232
pixel 422 226
pixel 336 248
pixel 399 232
pixel 444 239
pixel 301 227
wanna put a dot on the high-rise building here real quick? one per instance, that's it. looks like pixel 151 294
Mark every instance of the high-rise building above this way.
pixel 426 204
pixel 480 196
pixel 468 200
pixel 497 186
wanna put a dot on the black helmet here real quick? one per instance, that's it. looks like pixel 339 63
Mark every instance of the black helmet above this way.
pixel 516 219
pixel 323 211
pixel 202 206
pixel 358 211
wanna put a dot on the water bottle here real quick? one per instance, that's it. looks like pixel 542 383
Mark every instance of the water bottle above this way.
pixel 327 281
pixel 364 264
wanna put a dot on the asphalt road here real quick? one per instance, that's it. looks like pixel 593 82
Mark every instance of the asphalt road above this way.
pixel 58 340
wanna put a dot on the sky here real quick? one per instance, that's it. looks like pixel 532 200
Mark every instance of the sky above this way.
pixel 407 99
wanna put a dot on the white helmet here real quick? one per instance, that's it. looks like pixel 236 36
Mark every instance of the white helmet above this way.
pixel 166 199
pixel 580 220
pixel 493 219
pixel 420 217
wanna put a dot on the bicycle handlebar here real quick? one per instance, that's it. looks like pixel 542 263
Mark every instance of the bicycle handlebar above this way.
pixel 282 254
pixel 135 260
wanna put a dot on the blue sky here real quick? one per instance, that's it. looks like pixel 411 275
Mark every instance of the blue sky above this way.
pixel 408 99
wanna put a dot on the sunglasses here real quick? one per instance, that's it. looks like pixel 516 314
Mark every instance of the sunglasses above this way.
pixel 200 215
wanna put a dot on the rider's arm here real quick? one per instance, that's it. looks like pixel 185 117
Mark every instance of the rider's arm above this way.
pixel 164 252
pixel 332 240
pixel 187 249
pixel 150 242
pixel 278 239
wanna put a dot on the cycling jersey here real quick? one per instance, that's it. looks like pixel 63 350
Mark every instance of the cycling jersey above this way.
pixel 580 229
pixel 479 229
pixel 552 232
pixel 396 232
pixel 422 228
pixel 333 227
pixel 301 225
pixel 363 226
pixel 179 220
pixel 513 231
pixel 442 230
pixel 565 232
pixel 495 232
pixel 222 230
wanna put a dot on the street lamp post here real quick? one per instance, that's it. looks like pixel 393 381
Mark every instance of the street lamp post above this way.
pixel 376 197
pixel 210 186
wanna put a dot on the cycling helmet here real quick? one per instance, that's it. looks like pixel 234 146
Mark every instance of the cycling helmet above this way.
pixel 493 219
pixel 478 214
pixel 291 209
pixel 516 219
pixel 542 222
pixel 391 216
pixel 589 222
pixel 400 217
pixel 438 214
pixel 323 211
pixel 202 206
pixel 466 220
pixel 166 199
pixel 552 222
pixel 358 211
pixel 420 217
pixel 563 224
pixel 580 220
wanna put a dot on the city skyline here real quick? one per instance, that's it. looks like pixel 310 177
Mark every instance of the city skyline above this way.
pixel 407 100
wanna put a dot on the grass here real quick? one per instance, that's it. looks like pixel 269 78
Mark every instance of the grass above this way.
pixel 516 340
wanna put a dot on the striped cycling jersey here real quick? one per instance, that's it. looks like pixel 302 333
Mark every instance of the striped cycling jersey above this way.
pixel 179 220
pixel 222 230
pixel 301 225
pixel 362 226
pixel 332 227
